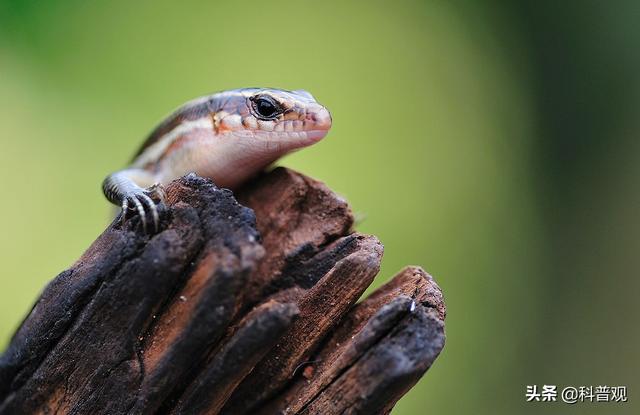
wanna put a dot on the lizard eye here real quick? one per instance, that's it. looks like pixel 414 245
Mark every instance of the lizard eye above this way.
pixel 266 107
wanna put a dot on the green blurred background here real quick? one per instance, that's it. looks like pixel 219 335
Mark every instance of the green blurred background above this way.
pixel 493 143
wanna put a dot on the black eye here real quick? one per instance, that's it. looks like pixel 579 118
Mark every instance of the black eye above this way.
pixel 265 106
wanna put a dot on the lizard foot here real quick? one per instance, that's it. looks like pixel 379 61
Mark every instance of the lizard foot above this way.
pixel 144 201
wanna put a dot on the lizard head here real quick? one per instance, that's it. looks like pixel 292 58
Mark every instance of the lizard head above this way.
pixel 286 119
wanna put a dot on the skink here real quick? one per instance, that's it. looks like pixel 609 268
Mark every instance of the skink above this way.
pixel 228 137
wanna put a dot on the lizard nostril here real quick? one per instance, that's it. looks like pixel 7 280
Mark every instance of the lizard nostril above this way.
pixel 323 120
pixel 320 119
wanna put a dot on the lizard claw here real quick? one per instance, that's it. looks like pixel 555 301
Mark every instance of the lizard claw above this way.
pixel 143 201
pixel 158 191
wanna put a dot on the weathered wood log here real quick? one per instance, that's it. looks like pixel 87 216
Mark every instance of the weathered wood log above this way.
pixel 220 312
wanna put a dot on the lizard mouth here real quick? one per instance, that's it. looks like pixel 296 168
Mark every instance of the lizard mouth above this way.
pixel 291 140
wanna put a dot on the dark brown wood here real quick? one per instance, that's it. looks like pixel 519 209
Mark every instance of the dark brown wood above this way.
pixel 227 309
pixel 380 349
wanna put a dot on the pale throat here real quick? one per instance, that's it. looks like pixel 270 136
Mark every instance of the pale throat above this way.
pixel 227 157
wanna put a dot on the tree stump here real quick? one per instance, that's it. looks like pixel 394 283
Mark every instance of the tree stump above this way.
pixel 227 310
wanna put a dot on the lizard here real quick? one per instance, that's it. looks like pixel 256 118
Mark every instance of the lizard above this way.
pixel 228 137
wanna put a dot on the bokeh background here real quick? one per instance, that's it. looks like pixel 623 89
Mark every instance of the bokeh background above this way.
pixel 493 143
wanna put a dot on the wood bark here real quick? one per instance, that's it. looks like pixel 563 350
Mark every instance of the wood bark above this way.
pixel 234 307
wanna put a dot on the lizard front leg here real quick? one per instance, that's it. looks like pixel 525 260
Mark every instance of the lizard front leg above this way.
pixel 134 188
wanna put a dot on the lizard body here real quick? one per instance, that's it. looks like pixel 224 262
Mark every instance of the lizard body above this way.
pixel 228 137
